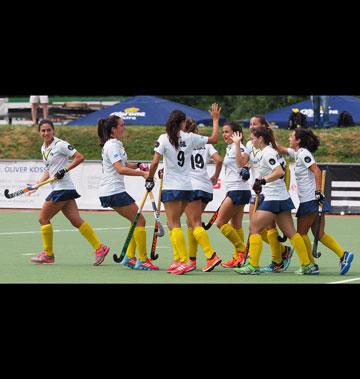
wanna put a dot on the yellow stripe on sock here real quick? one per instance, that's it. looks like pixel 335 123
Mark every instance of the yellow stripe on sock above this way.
pixel 140 242
pixel 180 243
pixel 47 237
pixel 255 249
pixel 88 232
pixel 331 243
pixel 274 243
pixel 192 243
pixel 230 233
pixel 202 238
pixel 300 248
pixel 307 242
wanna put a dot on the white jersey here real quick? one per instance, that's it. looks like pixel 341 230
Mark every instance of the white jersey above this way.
pixel 254 160
pixel 55 158
pixel 233 179
pixel 111 181
pixel 177 163
pixel 200 179
pixel 305 178
pixel 275 190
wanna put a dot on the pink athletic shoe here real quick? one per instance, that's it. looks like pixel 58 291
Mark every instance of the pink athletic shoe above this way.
pixel 43 258
pixel 100 254
pixel 173 266
pixel 183 268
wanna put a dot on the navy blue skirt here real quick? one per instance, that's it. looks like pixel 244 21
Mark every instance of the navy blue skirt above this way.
pixel 172 195
pixel 118 200
pixel 276 206
pixel 62 195
pixel 205 197
pixel 239 197
pixel 312 206
pixel 253 199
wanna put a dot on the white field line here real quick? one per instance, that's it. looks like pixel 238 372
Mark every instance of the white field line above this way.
pixel 344 281
pixel 76 230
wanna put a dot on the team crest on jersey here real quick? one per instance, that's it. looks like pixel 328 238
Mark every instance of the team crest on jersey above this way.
pixel 70 147
pixel 182 144
pixel 272 161
pixel 307 159
pixel 157 144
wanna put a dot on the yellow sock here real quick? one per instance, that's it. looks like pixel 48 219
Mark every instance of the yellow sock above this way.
pixel 88 232
pixel 202 238
pixel 193 244
pixel 176 255
pixel 180 243
pixel 47 237
pixel 140 242
pixel 274 243
pixel 308 247
pixel 240 232
pixel 300 248
pixel 230 233
pixel 264 235
pixel 331 243
pixel 255 249
pixel 130 252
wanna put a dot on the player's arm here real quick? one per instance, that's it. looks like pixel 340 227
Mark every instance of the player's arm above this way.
pixel 215 115
pixel 218 165
pixel 154 164
pixel 276 174
pixel 77 158
pixel 128 171
pixel 282 149
pixel 314 168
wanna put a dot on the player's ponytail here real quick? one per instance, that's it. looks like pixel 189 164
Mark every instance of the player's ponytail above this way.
pixel 105 126
pixel 266 133
pixel 307 138
pixel 173 127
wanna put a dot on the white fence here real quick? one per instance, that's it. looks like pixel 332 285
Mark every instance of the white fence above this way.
pixel 16 174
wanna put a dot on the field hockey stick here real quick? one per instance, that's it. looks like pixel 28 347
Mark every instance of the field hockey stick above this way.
pixel 131 232
pixel 316 253
pixel 213 218
pixel 153 254
pixel 160 230
pixel 287 183
pixel 28 188
pixel 257 196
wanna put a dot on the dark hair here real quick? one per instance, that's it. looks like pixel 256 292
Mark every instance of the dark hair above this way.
pixel 45 121
pixel 307 139
pixel 234 127
pixel 266 133
pixel 173 127
pixel 263 120
pixel 105 126
pixel 191 126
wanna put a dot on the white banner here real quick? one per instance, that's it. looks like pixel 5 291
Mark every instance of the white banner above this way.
pixel 16 174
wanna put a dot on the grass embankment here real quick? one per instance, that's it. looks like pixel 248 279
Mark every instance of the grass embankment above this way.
pixel 23 142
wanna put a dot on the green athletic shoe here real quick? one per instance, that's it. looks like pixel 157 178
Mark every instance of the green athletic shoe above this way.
pixel 310 269
pixel 273 267
pixel 248 269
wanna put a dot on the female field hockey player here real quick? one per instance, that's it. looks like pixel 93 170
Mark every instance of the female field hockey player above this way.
pixel 276 206
pixel 280 254
pixel 55 154
pixel 202 186
pixel 303 144
pixel 112 188
pixel 176 147
pixel 238 192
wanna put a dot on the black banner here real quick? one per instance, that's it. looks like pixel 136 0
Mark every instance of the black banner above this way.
pixel 342 187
